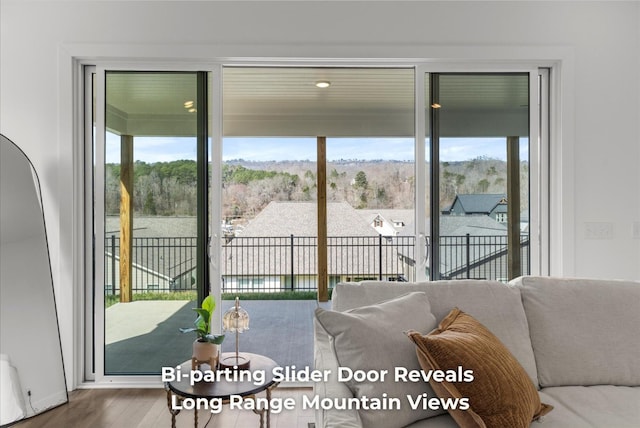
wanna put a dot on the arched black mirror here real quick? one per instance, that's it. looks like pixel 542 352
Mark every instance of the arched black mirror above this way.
pixel 31 370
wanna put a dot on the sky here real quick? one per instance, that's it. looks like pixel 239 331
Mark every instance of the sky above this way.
pixel 163 149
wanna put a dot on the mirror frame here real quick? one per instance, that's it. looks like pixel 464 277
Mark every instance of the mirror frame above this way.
pixel 23 395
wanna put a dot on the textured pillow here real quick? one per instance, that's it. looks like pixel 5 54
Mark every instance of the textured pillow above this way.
pixel 500 395
pixel 372 338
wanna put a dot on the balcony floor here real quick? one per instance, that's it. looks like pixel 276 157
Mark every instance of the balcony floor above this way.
pixel 142 336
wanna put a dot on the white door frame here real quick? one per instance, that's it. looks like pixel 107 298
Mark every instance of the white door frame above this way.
pixel 541 190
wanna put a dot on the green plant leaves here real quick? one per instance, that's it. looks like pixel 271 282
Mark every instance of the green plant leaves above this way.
pixel 202 322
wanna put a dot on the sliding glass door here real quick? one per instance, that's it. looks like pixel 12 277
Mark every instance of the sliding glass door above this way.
pixel 292 179
pixel 154 169
pixel 479 145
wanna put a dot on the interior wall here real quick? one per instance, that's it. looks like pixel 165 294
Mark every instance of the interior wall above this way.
pixel 596 165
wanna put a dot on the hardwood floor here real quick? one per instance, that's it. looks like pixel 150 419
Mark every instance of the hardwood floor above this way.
pixel 147 408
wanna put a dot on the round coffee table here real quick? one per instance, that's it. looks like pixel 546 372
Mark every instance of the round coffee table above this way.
pixel 224 388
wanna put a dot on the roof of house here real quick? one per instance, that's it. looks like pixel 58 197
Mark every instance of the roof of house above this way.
pixel 300 219
pixel 474 225
pixel 264 246
pixel 479 203
pixel 450 225
pixel 392 215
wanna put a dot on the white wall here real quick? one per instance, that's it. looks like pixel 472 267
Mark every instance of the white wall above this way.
pixel 598 178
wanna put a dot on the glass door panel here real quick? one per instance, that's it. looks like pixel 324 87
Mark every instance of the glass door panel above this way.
pixel 297 140
pixel 481 144
pixel 152 207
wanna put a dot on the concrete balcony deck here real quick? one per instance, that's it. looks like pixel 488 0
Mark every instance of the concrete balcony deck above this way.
pixel 142 336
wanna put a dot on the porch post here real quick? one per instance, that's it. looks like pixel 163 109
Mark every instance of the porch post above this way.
pixel 513 207
pixel 126 217
pixel 321 180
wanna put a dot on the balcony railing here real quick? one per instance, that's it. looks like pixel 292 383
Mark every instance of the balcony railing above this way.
pixel 270 264
pixel 159 264
pixel 289 262
pixel 479 257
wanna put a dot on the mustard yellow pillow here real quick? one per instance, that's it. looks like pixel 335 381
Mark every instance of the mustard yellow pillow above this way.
pixel 500 395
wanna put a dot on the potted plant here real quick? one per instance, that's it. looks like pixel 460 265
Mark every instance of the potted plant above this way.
pixel 205 347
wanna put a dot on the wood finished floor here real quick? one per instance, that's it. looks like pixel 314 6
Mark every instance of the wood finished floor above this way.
pixel 147 408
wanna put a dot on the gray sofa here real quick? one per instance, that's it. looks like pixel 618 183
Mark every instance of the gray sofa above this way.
pixel 578 341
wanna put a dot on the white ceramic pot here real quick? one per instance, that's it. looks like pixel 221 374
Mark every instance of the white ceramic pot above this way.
pixel 204 351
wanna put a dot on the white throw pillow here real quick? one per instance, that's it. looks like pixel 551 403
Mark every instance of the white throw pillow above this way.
pixel 584 331
pixel 372 338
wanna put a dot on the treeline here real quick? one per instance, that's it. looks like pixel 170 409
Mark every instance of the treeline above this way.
pixel 362 184
pixel 160 188
pixel 241 175
pixel 169 188
pixel 477 176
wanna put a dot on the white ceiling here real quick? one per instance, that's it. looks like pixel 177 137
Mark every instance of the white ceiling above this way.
pixel 280 101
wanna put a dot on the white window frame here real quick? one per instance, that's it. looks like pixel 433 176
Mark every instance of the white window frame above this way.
pixel 540 220
pixel 95 215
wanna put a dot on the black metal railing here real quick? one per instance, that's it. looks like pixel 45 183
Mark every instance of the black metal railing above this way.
pixel 289 262
pixel 479 257
pixel 159 264
pixel 269 264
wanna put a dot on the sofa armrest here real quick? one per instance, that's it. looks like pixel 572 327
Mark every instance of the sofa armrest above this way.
pixel 325 359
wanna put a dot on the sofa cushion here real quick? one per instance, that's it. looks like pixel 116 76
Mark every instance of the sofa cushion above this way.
pixel 496 305
pixel 498 390
pixel 601 406
pixel 584 332
pixel 372 338
pixel 442 421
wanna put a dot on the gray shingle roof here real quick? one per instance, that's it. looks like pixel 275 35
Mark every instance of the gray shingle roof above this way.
pixel 300 219
pixel 479 203
pixel 393 215
pixel 474 225
pixel 263 246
